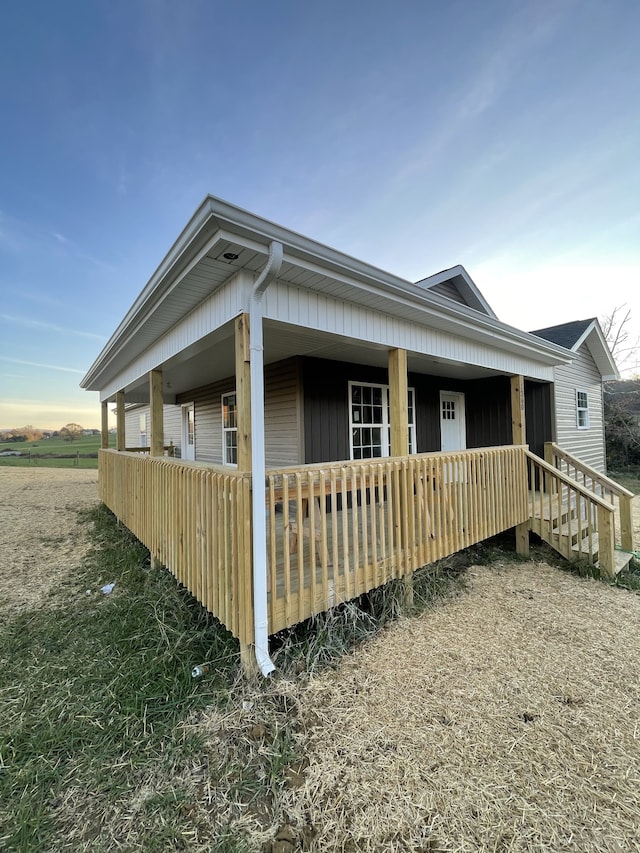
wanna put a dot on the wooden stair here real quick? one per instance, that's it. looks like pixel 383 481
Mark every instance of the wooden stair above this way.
pixel 578 511
pixel 573 538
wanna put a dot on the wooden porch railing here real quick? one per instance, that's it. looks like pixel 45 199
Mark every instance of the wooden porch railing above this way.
pixel 195 519
pixel 338 530
pixel 574 520
pixel 597 483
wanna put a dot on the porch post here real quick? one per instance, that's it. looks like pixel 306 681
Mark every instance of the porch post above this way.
pixel 120 437
pixel 243 392
pixel 399 397
pixel 104 430
pixel 519 436
pixel 399 414
pixel 156 443
pixel 243 414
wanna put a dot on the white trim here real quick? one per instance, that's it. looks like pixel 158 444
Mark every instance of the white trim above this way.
pixel 385 424
pixel 229 430
pixel 580 409
pixel 188 448
pixel 460 418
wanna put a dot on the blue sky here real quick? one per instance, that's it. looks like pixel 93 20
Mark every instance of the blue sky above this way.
pixel 502 135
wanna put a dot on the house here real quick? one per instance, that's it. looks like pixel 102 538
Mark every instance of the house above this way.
pixel 578 409
pixel 340 426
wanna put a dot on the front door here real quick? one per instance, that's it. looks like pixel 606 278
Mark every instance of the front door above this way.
pixel 188 432
pixel 453 432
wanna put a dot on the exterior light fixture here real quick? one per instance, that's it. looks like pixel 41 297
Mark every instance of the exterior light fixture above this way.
pixel 230 256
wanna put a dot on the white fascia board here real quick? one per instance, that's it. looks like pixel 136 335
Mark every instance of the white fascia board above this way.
pixel 599 349
pixel 217 219
pixel 454 272
pixel 445 314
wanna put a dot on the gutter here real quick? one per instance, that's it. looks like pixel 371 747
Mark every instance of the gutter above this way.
pixel 258 463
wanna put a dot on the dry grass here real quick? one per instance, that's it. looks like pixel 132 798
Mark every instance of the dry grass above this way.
pixel 503 719
pixel 40 540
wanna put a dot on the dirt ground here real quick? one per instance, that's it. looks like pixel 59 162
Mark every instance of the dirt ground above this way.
pixel 505 719
pixel 40 539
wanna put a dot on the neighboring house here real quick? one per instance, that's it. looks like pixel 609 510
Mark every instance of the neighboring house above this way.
pixel 346 426
pixel 578 416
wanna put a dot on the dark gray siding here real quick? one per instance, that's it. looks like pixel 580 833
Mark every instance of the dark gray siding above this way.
pixel 448 289
pixel 539 415
pixel 326 412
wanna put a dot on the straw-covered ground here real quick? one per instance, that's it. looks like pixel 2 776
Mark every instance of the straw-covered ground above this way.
pixel 40 540
pixel 503 719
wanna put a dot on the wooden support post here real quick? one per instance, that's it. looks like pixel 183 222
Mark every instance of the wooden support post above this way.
pixel 120 425
pixel 104 431
pixel 248 661
pixel 156 444
pixel 519 436
pixel 399 415
pixel 626 523
pixel 245 556
pixel 606 542
pixel 243 391
pixel 548 453
pixel 399 402
pixel 518 419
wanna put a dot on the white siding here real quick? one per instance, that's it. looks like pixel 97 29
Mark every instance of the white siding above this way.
pixel 172 425
pixel 283 416
pixel 323 312
pixel 581 375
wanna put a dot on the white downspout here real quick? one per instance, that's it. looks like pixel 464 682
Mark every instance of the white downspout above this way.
pixel 258 464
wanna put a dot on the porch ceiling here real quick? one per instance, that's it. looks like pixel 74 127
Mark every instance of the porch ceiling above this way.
pixel 213 359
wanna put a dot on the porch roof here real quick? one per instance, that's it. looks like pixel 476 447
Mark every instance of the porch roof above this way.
pixel 223 248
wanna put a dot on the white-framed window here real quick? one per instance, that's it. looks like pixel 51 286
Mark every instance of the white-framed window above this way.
pixel 582 409
pixel 370 420
pixel 143 431
pixel 229 428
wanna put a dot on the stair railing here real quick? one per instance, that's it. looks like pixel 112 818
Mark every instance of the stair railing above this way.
pixel 598 483
pixel 556 500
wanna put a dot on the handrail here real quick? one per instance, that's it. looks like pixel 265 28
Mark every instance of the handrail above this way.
pixel 601 515
pixel 569 481
pixel 363 463
pixel 606 482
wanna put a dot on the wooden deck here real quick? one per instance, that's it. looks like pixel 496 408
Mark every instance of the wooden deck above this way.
pixel 336 531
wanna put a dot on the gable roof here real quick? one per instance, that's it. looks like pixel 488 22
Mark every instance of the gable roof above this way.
pixel 572 335
pixel 461 282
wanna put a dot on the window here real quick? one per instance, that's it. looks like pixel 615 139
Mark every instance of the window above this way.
pixel 143 431
pixel 582 410
pixel 370 419
pixel 229 429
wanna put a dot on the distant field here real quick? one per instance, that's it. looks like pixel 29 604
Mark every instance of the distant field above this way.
pixel 40 452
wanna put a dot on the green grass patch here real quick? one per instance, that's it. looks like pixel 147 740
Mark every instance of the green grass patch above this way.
pixel 93 689
pixel 43 453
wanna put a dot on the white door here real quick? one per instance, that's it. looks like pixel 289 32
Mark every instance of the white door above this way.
pixel 188 450
pixel 453 432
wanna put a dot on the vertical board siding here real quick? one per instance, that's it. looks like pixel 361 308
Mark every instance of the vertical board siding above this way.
pixel 193 520
pixel 539 415
pixel 581 375
pixel 336 531
pixel 326 408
